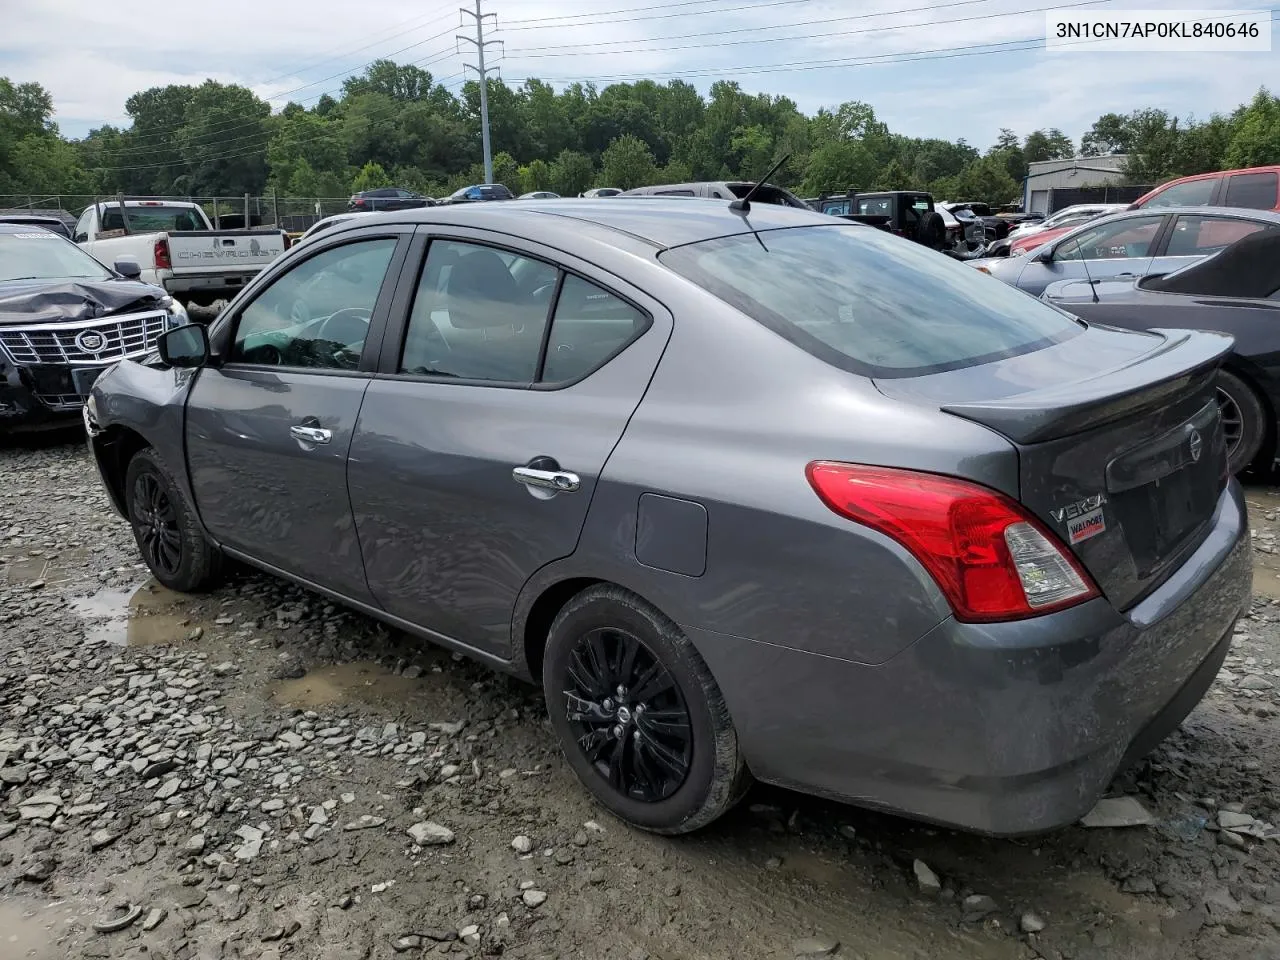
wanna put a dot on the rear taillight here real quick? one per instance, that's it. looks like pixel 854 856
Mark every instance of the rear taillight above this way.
pixel 991 558
pixel 161 254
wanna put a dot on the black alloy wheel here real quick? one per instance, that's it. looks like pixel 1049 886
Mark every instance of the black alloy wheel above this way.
pixel 640 718
pixel 168 534
pixel 631 721
pixel 156 523
pixel 1243 419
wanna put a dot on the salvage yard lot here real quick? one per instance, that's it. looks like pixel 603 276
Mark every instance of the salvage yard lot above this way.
pixel 260 774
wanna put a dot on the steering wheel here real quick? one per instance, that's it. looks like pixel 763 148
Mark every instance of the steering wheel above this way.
pixel 346 326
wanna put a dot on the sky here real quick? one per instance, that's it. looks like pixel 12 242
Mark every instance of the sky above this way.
pixel 944 68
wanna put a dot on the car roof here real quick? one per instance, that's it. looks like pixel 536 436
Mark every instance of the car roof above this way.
pixel 660 222
pixel 7 227
pixel 1245 213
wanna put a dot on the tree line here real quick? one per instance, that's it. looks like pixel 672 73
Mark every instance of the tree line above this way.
pixel 396 125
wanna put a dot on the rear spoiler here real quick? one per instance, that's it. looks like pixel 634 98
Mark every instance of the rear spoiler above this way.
pixel 1186 360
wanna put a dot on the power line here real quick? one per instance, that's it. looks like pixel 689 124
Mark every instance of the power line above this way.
pixel 543 23
pixel 531 52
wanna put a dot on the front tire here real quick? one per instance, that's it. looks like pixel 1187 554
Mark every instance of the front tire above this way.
pixel 169 537
pixel 638 715
pixel 1243 422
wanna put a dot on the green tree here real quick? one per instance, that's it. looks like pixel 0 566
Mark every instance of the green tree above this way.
pixel 839 166
pixel 506 171
pixel 572 173
pixel 627 163
pixel 223 141
pixel 403 82
pixel 1256 139
pixel 535 176
pixel 371 177
pixel 1051 144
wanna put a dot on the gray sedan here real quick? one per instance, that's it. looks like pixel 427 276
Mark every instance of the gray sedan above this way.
pixel 1130 245
pixel 748 492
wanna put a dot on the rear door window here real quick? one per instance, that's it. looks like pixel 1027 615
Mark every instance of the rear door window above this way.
pixel 1193 193
pixel 865 301
pixel 1201 236
pixel 1255 191
pixel 1120 239
pixel 589 327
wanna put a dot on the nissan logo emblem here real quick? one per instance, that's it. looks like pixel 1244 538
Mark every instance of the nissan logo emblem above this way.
pixel 91 341
pixel 1195 445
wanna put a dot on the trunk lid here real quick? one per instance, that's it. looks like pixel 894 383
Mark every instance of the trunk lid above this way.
pixel 1120 446
pixel 218 251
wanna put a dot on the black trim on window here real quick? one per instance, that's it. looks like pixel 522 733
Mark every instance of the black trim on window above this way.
pixel 225 331
pixel 546 327
pixel 397 326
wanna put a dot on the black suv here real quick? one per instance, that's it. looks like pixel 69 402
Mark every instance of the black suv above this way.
pixel 480 192
pixel 388 198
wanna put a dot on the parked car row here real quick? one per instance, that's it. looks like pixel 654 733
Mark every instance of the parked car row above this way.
pixel 751 491
pixel 393 198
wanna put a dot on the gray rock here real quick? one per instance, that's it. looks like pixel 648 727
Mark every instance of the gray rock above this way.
pixel 1255 682
pixel 168 789
pixel 533 898
pixel 815 947
pixel 195 844
pixel 977 907
pixel 430 834
pixel 1118 812
pixel 926 879
pixel 521 844
pixel 448 728
pixel 40 806
pixel 409 942
pixel 100 839
pixel 1031 922
pixel 154 918
pixel 249 850
pixel 1228 820
pixel 39 869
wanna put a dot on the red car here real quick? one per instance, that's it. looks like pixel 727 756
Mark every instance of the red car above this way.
pixel 1257 188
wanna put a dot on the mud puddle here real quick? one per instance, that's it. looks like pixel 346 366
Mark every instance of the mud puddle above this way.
pixel 52 567
pixel 366 682
pixel 28 932
pixel 142 616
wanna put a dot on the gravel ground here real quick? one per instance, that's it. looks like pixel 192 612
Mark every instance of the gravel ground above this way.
pixel 256 773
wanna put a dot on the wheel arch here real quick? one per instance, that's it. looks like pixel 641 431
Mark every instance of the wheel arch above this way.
pixel 1252 378
pixel 113 448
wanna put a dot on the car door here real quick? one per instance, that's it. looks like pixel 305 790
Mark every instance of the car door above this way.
pixel 478 448
pixel 1118 249
pixel 268 426
pixel 1193 238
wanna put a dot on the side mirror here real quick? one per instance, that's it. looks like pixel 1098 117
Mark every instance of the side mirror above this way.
pixel 1044 254
pixel 185 346
pixel 80 237
pixel 128 269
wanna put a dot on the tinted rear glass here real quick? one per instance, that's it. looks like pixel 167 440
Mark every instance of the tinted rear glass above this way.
pixel 870 302
pixel 152 219
pixel 1257 191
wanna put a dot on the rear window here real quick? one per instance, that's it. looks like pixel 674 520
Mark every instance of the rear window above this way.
pixel 1256 191
pixel 1193 193
pixel 152 219
pixel 870 302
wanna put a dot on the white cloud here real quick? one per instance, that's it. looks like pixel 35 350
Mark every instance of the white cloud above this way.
pixel 291 49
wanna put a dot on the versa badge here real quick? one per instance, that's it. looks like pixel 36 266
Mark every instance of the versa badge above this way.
pixel 1083 518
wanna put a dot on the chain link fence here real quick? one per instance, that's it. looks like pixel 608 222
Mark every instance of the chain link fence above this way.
pixel 294 214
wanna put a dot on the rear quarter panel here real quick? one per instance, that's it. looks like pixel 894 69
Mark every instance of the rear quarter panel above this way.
pixel 733 416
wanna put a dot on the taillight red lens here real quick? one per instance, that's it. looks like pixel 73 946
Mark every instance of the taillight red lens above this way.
pixel 161 255
pixel 992 560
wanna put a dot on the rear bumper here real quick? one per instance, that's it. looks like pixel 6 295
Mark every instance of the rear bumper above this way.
pixel 1000 728
pixel 227 284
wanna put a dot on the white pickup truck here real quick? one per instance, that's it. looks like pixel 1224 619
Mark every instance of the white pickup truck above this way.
pixel 176 247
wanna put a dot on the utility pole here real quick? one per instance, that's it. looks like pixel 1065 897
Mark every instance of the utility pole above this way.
pixel 481 43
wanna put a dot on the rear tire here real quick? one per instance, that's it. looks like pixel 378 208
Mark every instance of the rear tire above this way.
pixel 168 534
pixel 1243 421
pixel 614 663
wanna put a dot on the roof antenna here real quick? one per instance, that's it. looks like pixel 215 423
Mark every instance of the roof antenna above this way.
pixel 743 205
pixel 1093 284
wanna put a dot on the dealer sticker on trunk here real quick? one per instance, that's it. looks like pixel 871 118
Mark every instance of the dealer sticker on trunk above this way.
pixel 1085 526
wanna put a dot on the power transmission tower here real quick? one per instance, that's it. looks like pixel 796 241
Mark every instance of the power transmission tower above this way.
pixel 481 43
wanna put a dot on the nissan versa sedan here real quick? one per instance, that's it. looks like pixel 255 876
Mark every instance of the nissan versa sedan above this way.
pixel 750 492
pixel 1130 245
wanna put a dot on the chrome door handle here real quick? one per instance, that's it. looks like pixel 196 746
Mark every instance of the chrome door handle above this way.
pixel 561 481
pixel 310 434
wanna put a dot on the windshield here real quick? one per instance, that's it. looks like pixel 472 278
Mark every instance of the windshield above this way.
pixel 870 302
pixel 152 219
pixel 41 255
